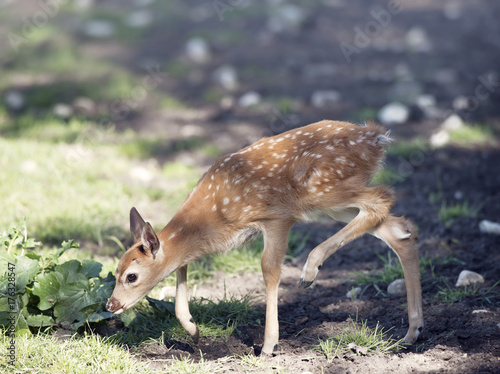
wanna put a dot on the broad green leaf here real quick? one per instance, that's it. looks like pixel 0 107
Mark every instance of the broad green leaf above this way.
pixel 91 268
pixel 162 306
pixel 26 270
pixel 47 288
pixel 39 320
pixel 71 271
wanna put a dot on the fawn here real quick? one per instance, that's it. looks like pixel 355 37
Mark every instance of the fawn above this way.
pixel 266 187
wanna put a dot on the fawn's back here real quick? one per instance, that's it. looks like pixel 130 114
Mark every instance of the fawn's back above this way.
pixel 292 174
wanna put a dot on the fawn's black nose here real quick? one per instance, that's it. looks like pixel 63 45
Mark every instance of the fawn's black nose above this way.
pixel 112 305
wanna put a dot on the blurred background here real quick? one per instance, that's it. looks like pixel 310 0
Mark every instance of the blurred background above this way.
pixel 109 104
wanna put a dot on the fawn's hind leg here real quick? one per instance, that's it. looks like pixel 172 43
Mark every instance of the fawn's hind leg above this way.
pixel 370 207
pixel 400 235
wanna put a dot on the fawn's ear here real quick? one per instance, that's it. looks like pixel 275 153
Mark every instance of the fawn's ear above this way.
pixel 149 240
pixel 136 225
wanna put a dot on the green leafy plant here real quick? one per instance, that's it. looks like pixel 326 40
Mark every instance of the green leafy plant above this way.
pixel 42 291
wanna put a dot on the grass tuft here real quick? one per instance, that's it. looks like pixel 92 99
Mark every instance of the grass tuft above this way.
pixel 448 213
pixel 453 295
pixel 358 339
pixel 89 354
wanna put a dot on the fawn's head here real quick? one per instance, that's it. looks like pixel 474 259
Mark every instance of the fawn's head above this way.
pixel 139 270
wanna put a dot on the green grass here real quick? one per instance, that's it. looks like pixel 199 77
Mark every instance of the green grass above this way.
pixel 63 190
pixel 448 213
pixel 185 365
pixel 215 319
pixel 393 270
pixel 358 339
pixel 409 148
pixel 88 354
pixel 448 294
pixel 387 175
pixel 471 135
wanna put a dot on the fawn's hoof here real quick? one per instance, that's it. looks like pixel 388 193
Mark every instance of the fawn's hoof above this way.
pixel 304 284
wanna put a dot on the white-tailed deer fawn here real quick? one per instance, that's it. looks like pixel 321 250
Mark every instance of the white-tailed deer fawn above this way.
pixel 266 187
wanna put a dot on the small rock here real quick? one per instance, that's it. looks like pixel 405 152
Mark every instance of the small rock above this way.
pixel 480 311
pixel 62 110
pixel 460 103
pixel 227 77
pixel 427 104
pixel 394 114
pixel 445 76
pixel 452 11
pixel 14 100
pixel 489 227
pixel 322 99
pixel 397 288
pixel 288 17
pixel 417 40
pixel 467 277
pixel 197 50
pixel 84 105
pixel 99 28
pixel 139 18
pixel 440 139
pixel 453 122
pixel 192 130
pixel 458 195
pixel 249 99
pixel 141 174
pixel 406 91
pixel 353 293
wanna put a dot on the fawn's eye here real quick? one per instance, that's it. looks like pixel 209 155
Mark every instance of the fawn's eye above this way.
pixel 131 278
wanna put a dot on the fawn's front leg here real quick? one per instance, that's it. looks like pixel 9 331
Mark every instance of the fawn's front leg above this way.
pixel 275 246
pixel 182 306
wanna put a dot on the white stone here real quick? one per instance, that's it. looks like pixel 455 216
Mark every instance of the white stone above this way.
pixel 353 293
pixel 440 139
pixel 322 99
pixel 489 227
pixel 198 50
pixel 99 28
pixel 467 277
pixel 62 110
pixel 287 17
pixel 394 114
pixel 428 105
pixel 453 122
pixel 452 11
pixel 249 99
pixel 417 40
pixel 141 173
pixel 227 77
pixel 14 100
pixel 397 288
pixel 139 18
